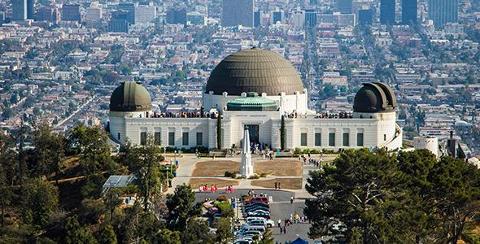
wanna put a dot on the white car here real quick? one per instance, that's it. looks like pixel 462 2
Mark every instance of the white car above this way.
pixel 266 222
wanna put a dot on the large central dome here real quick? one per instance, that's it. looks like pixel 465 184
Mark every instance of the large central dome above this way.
pixel 254 70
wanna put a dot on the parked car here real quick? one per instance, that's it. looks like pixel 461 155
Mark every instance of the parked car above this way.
pixel 258 220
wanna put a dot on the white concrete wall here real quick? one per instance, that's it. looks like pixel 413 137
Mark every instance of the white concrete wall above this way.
pixel 379 130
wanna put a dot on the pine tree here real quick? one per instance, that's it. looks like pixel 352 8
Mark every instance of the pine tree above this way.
pixel 219 131
pixel 282 133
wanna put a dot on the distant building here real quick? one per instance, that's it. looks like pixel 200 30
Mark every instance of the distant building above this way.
pixel 2 17
pixel 310 18
pixel 129 9
pixel 119 22
pixel 298 19
pixel 443 12
pixel 177 16
pixel 365 17
pixel 238 12
pixel 30 9
pixel 19 10
pixel 145 13
pixel 337 19
pixel 47 14
pixel 256 18
pixel 277 16
pixel 71 12
pixel 344 6
pixel 93 14
pixel 387 12
pixel 409 11
pixel 195 18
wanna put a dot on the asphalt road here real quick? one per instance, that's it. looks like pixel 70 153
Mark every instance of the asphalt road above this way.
pixel 280 208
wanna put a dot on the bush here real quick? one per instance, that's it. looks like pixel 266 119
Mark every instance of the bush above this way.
pixel 222 198
pixel 230 174
pixel 253 177
pixel 263 175
pixel 225 208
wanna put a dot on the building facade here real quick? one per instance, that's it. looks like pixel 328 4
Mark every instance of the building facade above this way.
pixel 238 12
pixel 387 12
pixel 71 12
pixel 442 12
pixel 409 11
pixel 19 10
pixel 261 91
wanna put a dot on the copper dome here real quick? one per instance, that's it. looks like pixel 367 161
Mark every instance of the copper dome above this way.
pixel 374 97
pixel 254 70
pixel 130 97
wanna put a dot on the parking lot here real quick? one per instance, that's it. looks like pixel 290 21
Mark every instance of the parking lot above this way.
pixel 280 208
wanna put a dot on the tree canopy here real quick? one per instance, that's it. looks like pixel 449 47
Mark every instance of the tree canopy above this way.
pixel 386 198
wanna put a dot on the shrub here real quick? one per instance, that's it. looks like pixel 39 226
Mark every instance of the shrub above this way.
pixel 230 174
pixel 254 177
pixel 263 175
pixel 222 198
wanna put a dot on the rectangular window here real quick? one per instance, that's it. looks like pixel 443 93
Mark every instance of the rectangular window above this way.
pixel 384 137
pixel 303 139
pixel 199 138
pixel 143 138
pixel 158 138
pixel 171 138
pixel 185 138
pixel 360 139
pixel 331 139
pixel 118 136
pixel 318 139
pixel 346 139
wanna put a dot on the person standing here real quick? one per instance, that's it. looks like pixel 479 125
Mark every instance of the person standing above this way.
pixel 280 225
pixel 291 200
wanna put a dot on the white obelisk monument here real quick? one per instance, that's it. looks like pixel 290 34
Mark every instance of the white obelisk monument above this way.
pixel 246 166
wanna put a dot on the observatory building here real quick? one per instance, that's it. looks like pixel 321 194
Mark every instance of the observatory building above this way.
pixel 261 91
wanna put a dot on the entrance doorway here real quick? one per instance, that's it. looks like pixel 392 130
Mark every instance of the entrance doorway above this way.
pixel 253 131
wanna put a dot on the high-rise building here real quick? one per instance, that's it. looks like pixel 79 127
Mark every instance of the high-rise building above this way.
pixel 71 12
pixel 47 14
pixel 387 12
pixel 277 16
pixel 310 18
pixel 2 17
pixel 298 19
pixel 93 14
pixel 19 9
pixel 344 6
pixel 119 22
pixel 409 11
pixel 30 9
pixel 129 9
pixel 443 11
pixel 177 16
pixel 238 12
pixel 365 17
pixel 256 18
pixel 145 13
pixel 195 18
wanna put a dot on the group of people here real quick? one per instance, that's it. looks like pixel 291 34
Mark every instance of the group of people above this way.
pixel 277 185
pixel 213 188
pixel 310 160
pixel 294 219
pixel 205 188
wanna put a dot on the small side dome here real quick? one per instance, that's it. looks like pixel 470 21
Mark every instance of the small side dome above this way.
pixel 130 96
pixel 374 97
